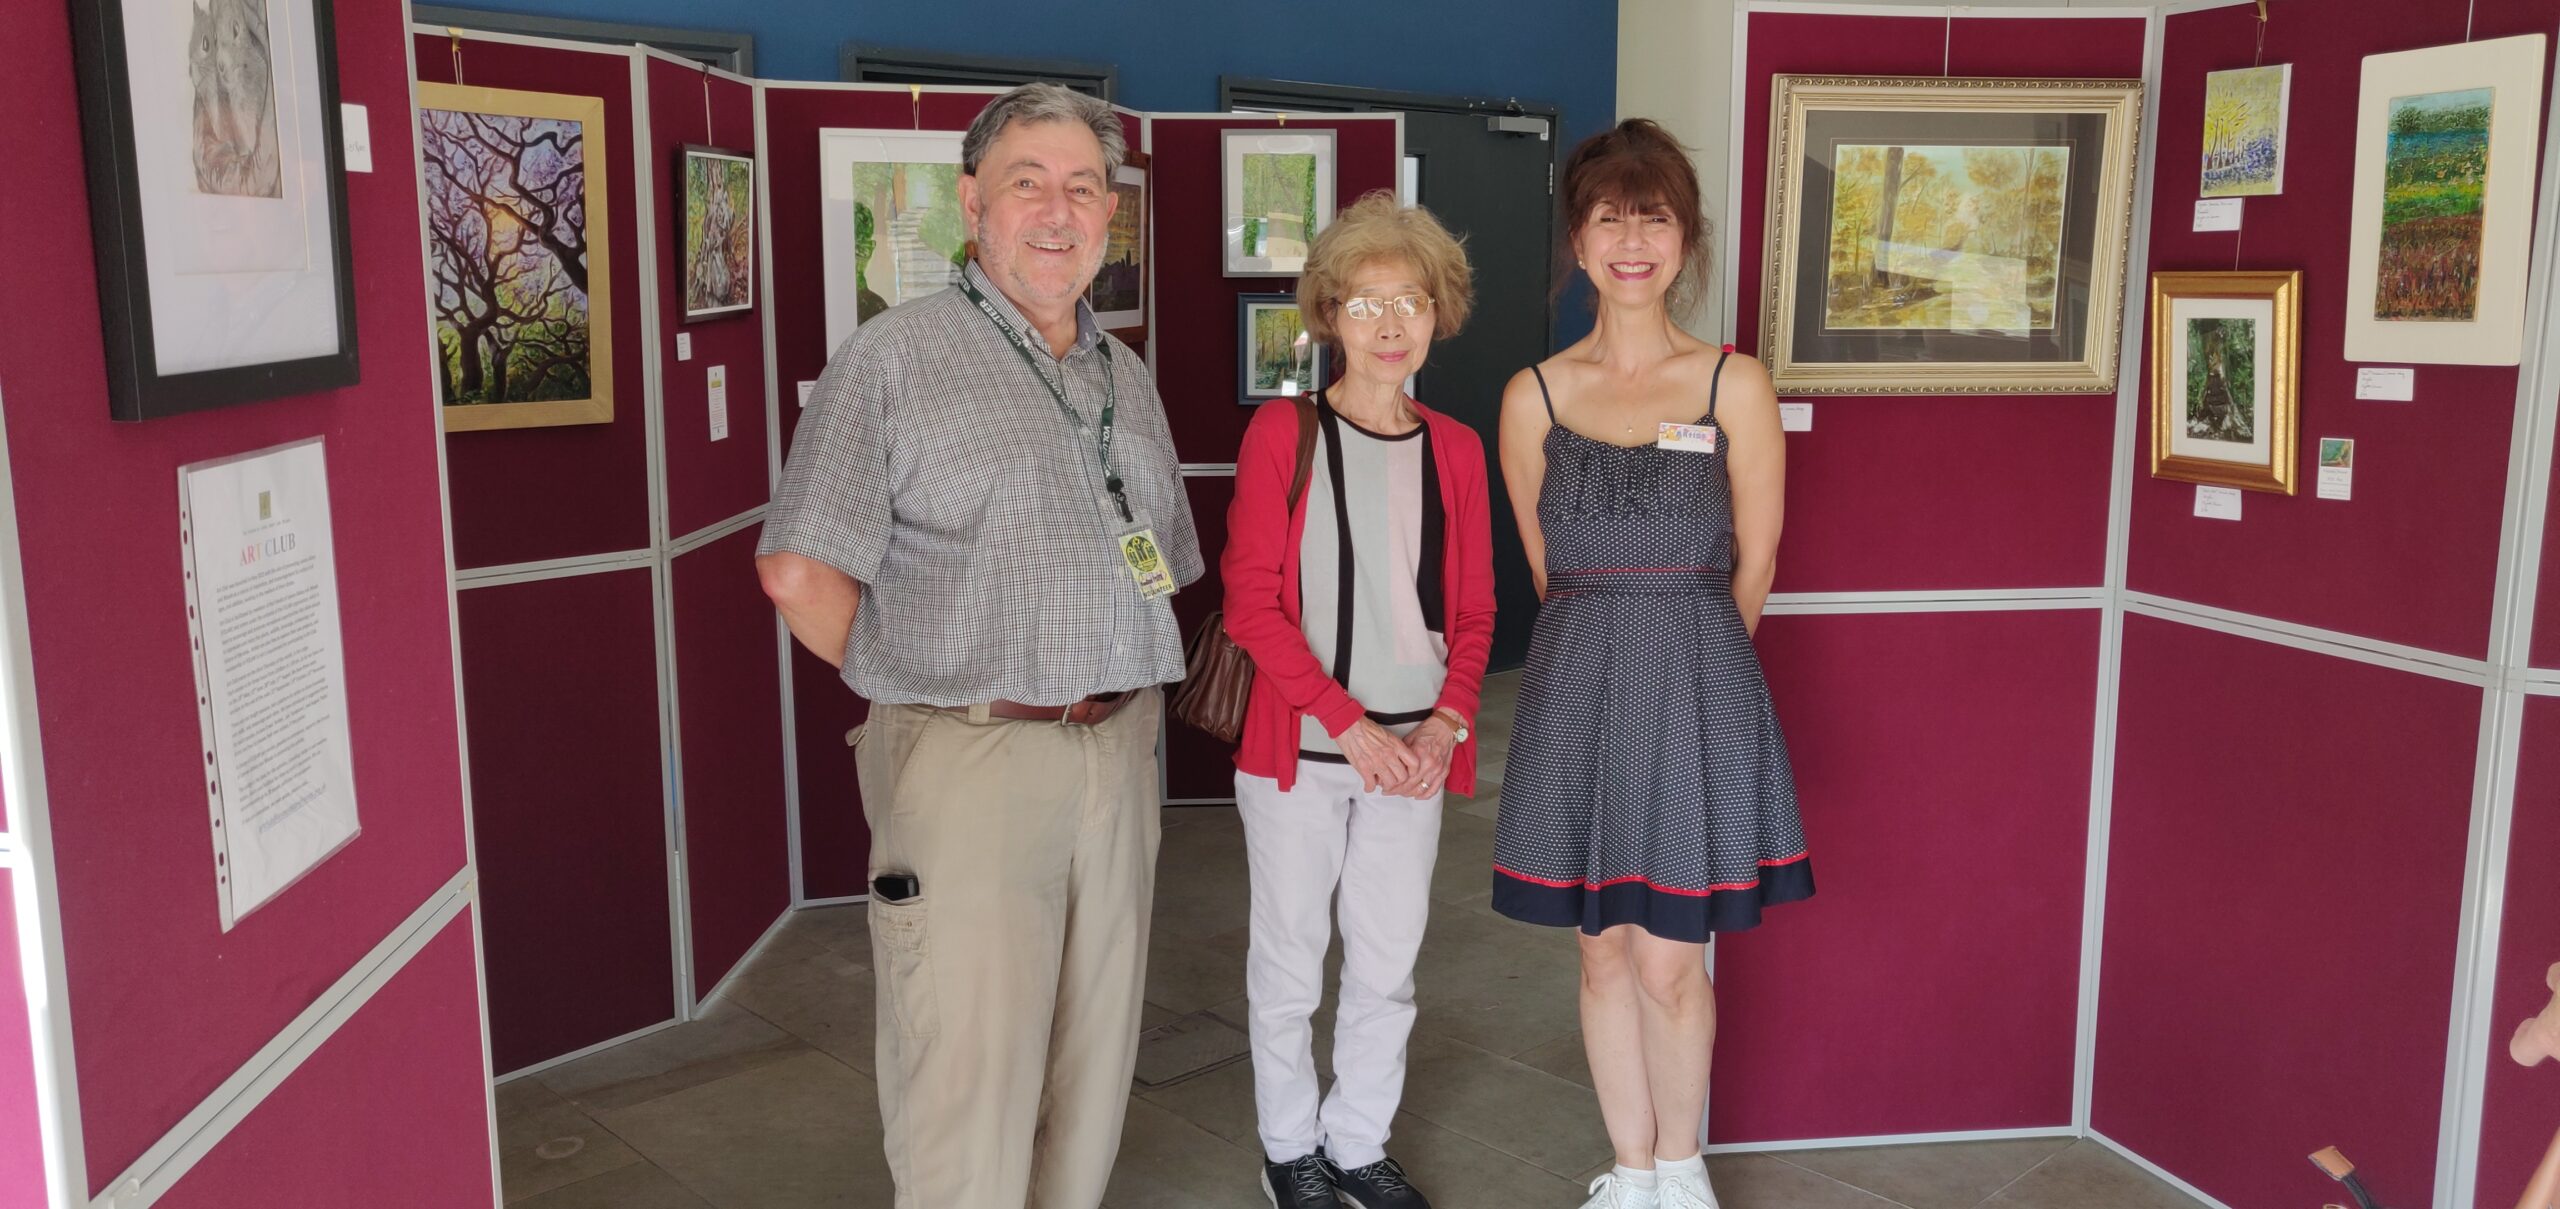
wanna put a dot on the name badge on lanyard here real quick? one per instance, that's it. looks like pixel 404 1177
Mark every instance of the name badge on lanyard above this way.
pixel 1145 559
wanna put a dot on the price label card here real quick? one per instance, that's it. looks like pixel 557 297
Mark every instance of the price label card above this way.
pixel 719 379
pixel 2219 214
pixel 684 346
pixel 359 135
pixel 2218 503
pixel 2337 468
pixel 1795 417
pixel 2388 385
pixel 805 388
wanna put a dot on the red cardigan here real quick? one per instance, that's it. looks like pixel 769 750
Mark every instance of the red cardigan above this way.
pixel 1260 570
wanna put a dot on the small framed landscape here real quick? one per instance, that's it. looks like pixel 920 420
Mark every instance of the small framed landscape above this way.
pixel 2225 378
pixel 1947 236
pixel 1119 292
pixel 520 289
pixel 889 223
pixel 2446 140
pixel 1276 357
pixel 715 252
pixel 217 192
pixel 1275 194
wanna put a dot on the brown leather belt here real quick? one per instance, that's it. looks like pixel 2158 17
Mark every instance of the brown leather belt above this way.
pixel 1092 711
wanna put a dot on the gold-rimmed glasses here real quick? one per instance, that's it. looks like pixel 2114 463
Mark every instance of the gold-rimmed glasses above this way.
pixel 1406 306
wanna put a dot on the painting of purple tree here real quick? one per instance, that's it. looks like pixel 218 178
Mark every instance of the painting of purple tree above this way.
pixel 515 243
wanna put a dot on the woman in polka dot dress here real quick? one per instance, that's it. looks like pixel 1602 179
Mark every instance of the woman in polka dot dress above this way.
pixel 1648 801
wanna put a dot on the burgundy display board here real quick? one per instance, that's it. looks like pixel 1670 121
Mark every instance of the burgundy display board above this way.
pixel 568 802
pixel 2284 890
pixel 2546 599
pixel 1931 983
pixel 1893 493
pixel 708 480
pixel 729 712
pixel 835 845
pixel 1199 766
pixel 412 1053
pixel 2413 558
pixel 588 483
pixel 21 1121
pixel 2522 1107
pixel 166 1004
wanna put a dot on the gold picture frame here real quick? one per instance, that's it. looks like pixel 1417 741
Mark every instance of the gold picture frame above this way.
pixel 2226 378
pixel 1938 236
pixel 516 202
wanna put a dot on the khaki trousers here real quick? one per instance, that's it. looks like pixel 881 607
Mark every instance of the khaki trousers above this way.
pixel 1010 987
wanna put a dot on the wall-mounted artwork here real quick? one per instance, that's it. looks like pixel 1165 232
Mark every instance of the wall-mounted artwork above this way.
pixel 2446 141
pixel 2244 121
pixel 1119 294
pixel 715 252
pixel 1275 193
pixel 2225 378
pixel 890 226
pixel 520 287
pixel 217 192
pixel 1276 356
pixel 1947 236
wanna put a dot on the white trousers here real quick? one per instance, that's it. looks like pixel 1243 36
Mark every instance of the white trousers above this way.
pixel 1329 843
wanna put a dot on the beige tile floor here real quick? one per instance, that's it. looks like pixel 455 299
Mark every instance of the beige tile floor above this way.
pixel 768 1102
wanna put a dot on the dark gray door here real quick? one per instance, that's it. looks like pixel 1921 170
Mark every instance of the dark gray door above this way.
pixel 1492 187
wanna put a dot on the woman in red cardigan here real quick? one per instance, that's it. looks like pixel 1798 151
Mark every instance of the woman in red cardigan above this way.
pixel 1367 605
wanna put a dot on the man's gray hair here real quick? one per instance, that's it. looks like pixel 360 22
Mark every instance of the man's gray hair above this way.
pixel 1046 103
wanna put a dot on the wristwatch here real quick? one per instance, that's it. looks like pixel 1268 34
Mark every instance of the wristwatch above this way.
pixel 1456 722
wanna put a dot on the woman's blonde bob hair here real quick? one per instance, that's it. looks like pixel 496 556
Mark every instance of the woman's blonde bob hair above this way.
pixel 1376 229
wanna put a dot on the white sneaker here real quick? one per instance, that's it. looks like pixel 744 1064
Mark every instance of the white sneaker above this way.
pixel 1683 1190
pixel 1610 1192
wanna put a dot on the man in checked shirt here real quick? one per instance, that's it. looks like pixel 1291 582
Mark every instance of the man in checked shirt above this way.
pixel 981 523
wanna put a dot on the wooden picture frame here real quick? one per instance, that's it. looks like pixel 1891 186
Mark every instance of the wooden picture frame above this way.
pixel 2226 378
pixel 217 194
pixel 1119 291
pixel 715 230
pixel 519 275
pixel 1947 235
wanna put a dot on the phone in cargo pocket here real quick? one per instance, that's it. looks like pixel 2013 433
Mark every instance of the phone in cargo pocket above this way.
pixel 895 887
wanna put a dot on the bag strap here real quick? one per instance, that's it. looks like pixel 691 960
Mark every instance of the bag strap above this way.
pixel 1306 450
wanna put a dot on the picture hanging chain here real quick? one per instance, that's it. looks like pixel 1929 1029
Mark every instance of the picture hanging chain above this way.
pixel 455 33
pixel 1947 50
pixel 915 105
pixel 710 133
pixel 2467 11
pixel 2261 60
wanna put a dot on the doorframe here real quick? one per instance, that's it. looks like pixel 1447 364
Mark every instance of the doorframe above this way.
pixel 1297 95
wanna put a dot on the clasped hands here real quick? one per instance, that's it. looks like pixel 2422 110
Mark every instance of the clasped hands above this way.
pixel 1415 766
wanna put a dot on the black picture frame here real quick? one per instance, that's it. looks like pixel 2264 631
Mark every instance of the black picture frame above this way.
pixel 136 389
pixel 678 228
pixel 1249 392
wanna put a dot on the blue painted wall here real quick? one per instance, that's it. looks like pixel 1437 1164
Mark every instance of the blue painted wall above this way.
pixel 1171 52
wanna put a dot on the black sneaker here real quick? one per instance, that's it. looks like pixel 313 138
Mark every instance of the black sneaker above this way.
pixel 1305 1182
pixel 1380 1185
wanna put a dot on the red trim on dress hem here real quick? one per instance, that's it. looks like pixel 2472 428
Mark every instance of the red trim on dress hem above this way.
pixel 1648 882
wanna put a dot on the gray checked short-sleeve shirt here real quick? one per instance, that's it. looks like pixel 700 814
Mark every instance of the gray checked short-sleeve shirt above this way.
pixel 933 468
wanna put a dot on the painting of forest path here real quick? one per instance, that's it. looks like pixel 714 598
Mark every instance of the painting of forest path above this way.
pixel 1945 238
pixel 1279 204
pixel 2436 166
pixel 2244 117
pixel 2222 382
pixel 910 239
pixel 507 210
pixel 719 233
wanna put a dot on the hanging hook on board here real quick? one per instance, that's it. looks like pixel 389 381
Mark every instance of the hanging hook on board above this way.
pixel 454 32
pixel 915 105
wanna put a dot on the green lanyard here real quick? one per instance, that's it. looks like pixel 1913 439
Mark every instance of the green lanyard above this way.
pixel 1110 394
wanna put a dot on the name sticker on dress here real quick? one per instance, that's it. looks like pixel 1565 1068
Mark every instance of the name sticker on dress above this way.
pixel 1695 437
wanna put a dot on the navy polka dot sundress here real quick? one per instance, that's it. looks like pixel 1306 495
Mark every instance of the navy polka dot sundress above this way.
pixel 1648 781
